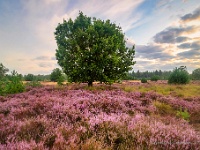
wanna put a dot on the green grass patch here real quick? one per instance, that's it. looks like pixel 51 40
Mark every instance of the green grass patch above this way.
pixel 164 109
pixel 184 91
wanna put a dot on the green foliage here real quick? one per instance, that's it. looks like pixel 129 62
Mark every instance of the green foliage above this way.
pixel 155 78
pixel 92 50
pixel 56 75
pixel 60 80
pixel 196 74
pixel 15 84
pixel 144 80
pixel 29 77
pixel 3 71
pixel 128 76
pixel 34 84
pixel 179 76
pixel 183 114
pixel 12 84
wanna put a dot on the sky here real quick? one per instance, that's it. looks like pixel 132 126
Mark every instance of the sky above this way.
pixel 166 33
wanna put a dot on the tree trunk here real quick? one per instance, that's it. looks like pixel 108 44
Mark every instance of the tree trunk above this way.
pixel 90 83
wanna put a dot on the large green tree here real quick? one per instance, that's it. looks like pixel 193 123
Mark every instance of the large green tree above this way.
pixel 92 50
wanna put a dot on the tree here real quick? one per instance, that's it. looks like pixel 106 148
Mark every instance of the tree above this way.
pixel 3 70
pixel 196 74
pixel 29 77
pixel 56 75
pixel 92 50
pixel 179 76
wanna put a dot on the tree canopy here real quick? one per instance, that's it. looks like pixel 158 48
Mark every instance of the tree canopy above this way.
pixel 92 50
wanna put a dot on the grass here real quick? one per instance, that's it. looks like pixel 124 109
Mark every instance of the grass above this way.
pixel 184 91
pixel 164 109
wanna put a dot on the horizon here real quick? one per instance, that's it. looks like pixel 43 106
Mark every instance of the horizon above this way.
pixel 165 32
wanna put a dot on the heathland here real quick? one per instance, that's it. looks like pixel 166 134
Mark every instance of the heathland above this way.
pixel 130 115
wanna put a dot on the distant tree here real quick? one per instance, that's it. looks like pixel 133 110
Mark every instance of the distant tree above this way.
pixel 29 77
pixel 143 80
pixel 3 70
pixel 179 76
pixel 155 78
pixel 56 75
pixel 92 50
pixel 196 74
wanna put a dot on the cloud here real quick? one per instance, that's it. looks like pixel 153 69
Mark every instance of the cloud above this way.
pixel 42 58
pixel 190 54
pixel 173 34
pixel 191 16
pixel 181 39
pixel 45 65
pixel 192 46
pixel 152 52
pixel 53 58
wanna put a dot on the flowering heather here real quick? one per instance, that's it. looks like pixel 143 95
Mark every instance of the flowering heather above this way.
pixel 49 118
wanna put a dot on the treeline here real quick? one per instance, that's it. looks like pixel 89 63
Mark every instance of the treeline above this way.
pixel 161 75
pixel 32 77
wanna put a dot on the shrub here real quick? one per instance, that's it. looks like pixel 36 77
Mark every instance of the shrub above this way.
pixel 155 78
pixel 15 85
pixel 183 114
pixel 11 85
pixel 179 76
pixel 56 75
pixel 60 80
pixel 143 80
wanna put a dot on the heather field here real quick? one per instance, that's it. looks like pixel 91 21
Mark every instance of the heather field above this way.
pixel 123 116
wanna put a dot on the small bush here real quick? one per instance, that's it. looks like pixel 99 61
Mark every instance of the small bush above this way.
pixel 155 78
pixel 143 80
pixel 179 76
pixel 183 114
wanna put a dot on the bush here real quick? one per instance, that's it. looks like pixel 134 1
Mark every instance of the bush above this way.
pixel 11 85
pixel 60 80
pixel 179 76
pixel 183 114
pixel 143 80
pixel 56 75
pixel 196 74
pixel 155 78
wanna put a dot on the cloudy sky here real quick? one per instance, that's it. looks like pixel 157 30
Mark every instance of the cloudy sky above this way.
pixel 166 32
